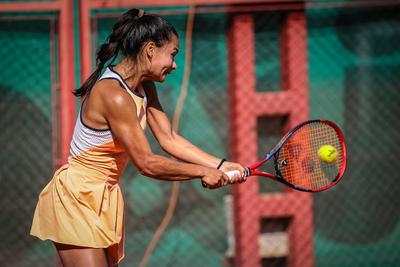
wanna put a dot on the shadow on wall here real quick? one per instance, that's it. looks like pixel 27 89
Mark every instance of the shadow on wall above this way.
pixel 370 34
pixel 26 166
pixel 365 208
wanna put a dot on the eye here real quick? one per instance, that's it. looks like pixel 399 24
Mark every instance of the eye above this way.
pixel 174 53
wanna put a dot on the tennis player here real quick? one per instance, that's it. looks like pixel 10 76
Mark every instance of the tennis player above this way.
pixel 82 208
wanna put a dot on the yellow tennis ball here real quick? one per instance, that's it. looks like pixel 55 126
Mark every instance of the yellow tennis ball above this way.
pixel 328 154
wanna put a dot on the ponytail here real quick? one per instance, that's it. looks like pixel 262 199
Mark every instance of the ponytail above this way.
pixel 106 52
pixel 128 36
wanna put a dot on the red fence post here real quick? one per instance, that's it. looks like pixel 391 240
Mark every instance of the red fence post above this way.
pixel 85 44
pixel 245 106
pixel 243 136
pixel 66 70
pixel 67 76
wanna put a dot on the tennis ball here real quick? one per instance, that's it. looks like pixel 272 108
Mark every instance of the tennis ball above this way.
pixel 328 154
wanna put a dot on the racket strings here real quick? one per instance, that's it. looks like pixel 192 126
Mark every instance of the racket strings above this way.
pixel 303 166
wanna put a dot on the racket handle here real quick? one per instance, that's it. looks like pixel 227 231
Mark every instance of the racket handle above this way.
pixel 232 174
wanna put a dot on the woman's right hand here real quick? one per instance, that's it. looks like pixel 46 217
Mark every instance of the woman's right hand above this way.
pixel 214 178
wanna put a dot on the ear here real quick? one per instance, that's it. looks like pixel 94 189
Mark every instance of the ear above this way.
pixel 149 50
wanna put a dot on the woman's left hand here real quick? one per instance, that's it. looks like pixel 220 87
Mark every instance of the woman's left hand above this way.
pixel 233 166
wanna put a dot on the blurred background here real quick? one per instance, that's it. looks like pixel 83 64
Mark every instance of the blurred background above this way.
pixel 254 69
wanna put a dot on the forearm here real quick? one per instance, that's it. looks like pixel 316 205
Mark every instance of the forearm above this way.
pixel 182 149
pixel 164 168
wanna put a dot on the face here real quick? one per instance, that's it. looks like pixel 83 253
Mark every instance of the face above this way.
pixel 163 60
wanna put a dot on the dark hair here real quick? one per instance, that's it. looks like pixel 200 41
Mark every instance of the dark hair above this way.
pixel 132 30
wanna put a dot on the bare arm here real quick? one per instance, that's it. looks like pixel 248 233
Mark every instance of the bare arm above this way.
pixel 173 143
pixel 120 113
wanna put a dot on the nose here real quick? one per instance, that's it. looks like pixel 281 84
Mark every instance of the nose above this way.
pixel 174 66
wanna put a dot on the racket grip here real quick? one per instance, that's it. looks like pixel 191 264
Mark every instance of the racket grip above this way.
pixel 232 174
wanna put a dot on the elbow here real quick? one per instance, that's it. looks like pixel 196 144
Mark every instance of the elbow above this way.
pixel 169 141
pixel 148 166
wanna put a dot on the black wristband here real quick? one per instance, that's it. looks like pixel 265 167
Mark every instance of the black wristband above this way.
pixel 220 164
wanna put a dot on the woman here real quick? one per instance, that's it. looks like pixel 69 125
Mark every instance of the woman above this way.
pixel 81 209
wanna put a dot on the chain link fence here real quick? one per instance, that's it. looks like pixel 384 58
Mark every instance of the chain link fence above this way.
pixel 26 107
pixel 353 75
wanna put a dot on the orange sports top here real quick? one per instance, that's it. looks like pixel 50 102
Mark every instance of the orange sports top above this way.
pixel 83 204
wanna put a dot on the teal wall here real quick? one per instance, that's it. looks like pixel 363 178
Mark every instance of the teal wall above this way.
pixel 353 66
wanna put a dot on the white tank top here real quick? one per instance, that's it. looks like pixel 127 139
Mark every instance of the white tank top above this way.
pixel 86 138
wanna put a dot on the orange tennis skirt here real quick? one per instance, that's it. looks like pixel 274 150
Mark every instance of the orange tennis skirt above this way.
pixel 79 208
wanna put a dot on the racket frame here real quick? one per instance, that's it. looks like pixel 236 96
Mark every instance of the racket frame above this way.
pixel 252 169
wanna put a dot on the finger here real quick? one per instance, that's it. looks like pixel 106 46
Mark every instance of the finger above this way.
pixel 210 186
pixel 239 177
pixel 231 179
pixel 204 184
pixel 242 174
pixel 233 176
pixel 225 176
pixel 224 182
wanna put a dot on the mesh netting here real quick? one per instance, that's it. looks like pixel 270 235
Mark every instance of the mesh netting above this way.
pixel 26 139
pixel 353 68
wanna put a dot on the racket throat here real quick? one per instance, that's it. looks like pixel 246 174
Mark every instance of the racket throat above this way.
pixel 279 163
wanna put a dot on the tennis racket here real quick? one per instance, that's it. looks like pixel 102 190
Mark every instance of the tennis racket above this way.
pixel 311 157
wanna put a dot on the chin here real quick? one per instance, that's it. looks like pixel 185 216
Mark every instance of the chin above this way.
pixel 161 79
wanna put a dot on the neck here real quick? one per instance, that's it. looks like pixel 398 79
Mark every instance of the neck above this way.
pixel 130 73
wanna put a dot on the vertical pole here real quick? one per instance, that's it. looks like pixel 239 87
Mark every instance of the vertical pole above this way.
pixel 295 81
pixel 85 40
pixel 245 106
pixel 243 137
pixel 67 76
pixel 294 71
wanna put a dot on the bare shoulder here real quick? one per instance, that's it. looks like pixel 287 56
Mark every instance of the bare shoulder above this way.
pixel 111 95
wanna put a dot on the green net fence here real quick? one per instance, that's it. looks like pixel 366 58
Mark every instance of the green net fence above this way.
pixel 353 72
pixel 26 106
pixel 353 81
